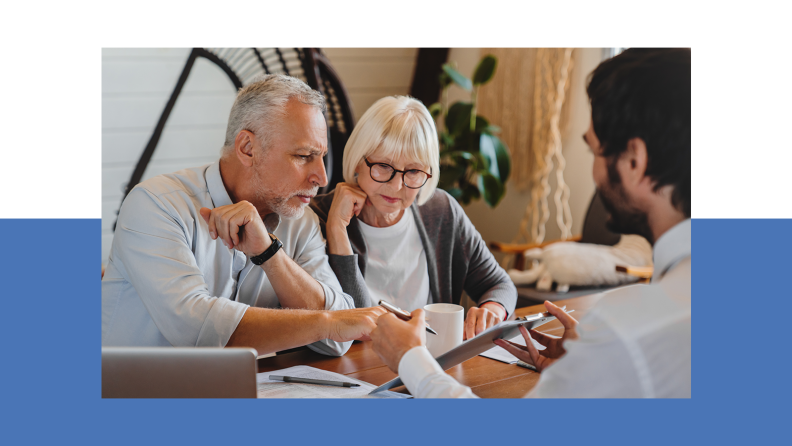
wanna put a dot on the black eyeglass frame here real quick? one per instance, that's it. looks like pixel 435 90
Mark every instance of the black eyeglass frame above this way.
pixel 395 171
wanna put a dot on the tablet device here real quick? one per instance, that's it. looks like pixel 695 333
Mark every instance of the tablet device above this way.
pixel 479 344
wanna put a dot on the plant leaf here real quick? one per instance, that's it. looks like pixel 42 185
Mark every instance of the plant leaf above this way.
pixel 498 161
pixel 458 117
pixel 481 123
pixel 491 188
pixel 492 129
pixel 472 190
pixel 455 192
pixel 458 78
pixel 451 173
pixel 446 140
pixel 485 70
pixel 445 80
pixel 435 109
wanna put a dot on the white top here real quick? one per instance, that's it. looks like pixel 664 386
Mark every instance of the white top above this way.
pixel 635 342
pixel 168 283
pixel 396 268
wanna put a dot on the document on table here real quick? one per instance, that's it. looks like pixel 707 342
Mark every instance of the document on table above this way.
pixel 500 354
pixel 268 388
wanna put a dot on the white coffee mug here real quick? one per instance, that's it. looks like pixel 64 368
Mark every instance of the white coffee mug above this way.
pixel 448 321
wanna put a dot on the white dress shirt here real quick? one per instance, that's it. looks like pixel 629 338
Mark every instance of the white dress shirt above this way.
pixel 634 343
pixel 396 268
pixel 167 283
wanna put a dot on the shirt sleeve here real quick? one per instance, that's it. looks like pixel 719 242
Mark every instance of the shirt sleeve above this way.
pixel 486 281
pixel 425 379
pixel 597 365
pixel 352 281
pixel 158 262
pixel 313 259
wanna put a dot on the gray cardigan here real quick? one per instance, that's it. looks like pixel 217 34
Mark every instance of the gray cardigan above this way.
pixel 456 255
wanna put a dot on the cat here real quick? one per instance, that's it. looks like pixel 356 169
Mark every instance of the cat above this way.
pixel 583 264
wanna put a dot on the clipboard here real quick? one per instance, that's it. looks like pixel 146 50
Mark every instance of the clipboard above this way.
pixel 481 343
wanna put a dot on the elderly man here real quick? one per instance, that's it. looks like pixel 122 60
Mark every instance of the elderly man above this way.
pixel 636 341
pixel 202 257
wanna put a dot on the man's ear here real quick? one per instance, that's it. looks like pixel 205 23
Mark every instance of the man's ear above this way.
pixel 633 162
pixel 243 147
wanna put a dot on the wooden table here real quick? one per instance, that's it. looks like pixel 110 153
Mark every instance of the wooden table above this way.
pixel 487 377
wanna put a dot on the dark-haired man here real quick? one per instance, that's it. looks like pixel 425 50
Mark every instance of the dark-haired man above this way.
pixel 636 341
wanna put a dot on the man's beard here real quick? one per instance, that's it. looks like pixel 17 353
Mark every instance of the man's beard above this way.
pixel 279 203
pixel 624 218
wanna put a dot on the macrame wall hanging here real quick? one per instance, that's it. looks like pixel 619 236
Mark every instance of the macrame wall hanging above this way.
pixel 527 98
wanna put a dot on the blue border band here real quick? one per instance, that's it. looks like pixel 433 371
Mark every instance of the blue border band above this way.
pixel 51 368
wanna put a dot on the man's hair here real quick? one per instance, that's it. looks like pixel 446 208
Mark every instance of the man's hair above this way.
pixel 259 104
pixel 645 93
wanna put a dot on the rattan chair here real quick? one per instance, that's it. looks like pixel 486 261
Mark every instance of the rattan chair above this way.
pixel 243 64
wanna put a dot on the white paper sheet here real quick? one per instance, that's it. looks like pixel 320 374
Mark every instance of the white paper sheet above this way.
pixel 268 388
pixel 500 354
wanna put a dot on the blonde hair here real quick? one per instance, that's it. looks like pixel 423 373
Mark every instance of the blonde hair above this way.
pixel 395 127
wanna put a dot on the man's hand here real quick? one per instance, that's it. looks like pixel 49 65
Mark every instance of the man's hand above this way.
pixel 348 201
pixel 554 346
pixel 348 325
pixel 394 337
pixel 482 318
pixel 239 226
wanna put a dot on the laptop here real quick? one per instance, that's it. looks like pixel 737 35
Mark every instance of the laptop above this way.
pixel 178 372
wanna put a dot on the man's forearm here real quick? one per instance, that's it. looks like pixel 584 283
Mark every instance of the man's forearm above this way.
pixel 270 330
pixel 294 287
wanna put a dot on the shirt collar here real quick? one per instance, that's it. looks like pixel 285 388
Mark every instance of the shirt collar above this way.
pixel 216 187
pixel 220 197
pixel 671 247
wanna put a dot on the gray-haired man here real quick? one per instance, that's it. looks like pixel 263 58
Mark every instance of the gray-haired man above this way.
pixel 201 256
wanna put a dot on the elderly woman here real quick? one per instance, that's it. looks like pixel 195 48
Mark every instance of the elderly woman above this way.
pixel 391 235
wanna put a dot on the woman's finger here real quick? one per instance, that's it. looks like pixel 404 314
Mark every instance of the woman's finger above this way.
pixel 470 324
pixel 481 323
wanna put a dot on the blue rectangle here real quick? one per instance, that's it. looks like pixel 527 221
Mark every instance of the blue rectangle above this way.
pixel 51 371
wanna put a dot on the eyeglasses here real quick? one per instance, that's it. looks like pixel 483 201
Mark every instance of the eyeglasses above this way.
pixel 383 173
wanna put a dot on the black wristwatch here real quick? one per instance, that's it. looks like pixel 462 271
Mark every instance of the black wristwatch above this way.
pixel 271 251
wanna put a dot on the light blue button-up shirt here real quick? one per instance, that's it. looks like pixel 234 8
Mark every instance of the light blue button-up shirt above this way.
pixel 167 283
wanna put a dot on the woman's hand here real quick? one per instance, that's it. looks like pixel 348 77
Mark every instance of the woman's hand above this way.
pixel 481 318
pixel 348 201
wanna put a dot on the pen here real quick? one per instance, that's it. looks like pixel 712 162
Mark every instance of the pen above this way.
pixel 291 379
pixel 401 314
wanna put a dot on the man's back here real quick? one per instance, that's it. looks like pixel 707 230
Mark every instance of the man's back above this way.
pixel 636 341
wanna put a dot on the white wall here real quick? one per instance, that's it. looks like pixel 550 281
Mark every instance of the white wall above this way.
pixel 372 73
pixel 136 85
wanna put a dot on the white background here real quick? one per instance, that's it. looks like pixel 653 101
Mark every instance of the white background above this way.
pixel 50 82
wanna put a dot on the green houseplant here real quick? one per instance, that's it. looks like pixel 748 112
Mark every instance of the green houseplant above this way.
pixel 474 162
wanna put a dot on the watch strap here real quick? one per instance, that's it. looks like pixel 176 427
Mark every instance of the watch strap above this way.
pixel 269 252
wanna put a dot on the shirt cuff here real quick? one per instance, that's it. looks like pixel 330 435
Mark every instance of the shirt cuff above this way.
pixel 334 299
pixel 415 366
pixel 220 323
